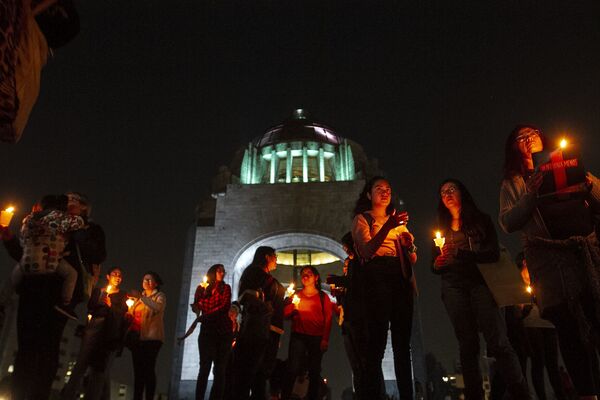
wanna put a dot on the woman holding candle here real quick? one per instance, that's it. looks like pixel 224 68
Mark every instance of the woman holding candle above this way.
pixel 102 337
pixel 470 238
pixel 261 296
pixel 562 253
pixel 213 301
pixel 146 335
pixel 386 247
pixel 311 324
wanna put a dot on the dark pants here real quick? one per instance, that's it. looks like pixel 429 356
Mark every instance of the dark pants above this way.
pixel 214 348
pixel 355 342
pixel 304 354
pixel 252 364
pixel 389 301
pixel 471 309
pixel 581 359
pixel 144 354
pixel 544 354
pixel 39 332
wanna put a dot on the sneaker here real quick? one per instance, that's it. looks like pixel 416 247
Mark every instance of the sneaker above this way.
pixel 67 311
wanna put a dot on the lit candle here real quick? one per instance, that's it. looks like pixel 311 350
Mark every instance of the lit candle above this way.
pixel 6 216
pixel 296 300
pixel 439 240
pixel 129 302
pixel 290 290
pixel 204 283
pixel 109 289
pixel 89 317
pixel 529 289
pixel 563 143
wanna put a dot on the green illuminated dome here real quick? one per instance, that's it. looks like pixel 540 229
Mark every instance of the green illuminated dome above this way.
pixel 299 150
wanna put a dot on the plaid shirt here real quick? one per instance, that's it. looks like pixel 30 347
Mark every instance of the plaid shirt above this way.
pixel 215 307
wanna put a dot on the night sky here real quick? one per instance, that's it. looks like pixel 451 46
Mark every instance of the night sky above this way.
pixel 141 109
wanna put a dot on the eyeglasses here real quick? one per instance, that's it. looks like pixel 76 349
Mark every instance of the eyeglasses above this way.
pixel 447 191
pixel 527 137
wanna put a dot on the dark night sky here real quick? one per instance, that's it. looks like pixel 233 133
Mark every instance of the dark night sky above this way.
pixel 152 97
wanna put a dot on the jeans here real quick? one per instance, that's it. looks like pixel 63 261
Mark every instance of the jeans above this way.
pixel 214 348
pixel 66 272
pixel 580 359
pixel 144 353
pixel 389 299
pixel 471 309
pixel 355 342
pixel 39 331
pixel 252 364
pixel 544 354
pixel 92 343
pixel 304 348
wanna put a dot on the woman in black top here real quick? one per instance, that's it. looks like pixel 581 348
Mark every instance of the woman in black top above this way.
pixel 471 239
pixel 102 338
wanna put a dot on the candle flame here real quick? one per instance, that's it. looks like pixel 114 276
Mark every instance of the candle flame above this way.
pixel 529 289
pixel 109 289
pixel 89 317
pixel 10 209
pixel 205 279
pixel 563 143
pixel 438 235
pixel 296 300
pixel 129 302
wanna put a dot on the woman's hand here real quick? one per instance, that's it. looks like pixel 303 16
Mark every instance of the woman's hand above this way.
pixel 406 239
pixel 5 233
pixel 396 219
pixel 106 300
pixel 534 182
pixel 450 250
pixel 324 345
pixel 443 261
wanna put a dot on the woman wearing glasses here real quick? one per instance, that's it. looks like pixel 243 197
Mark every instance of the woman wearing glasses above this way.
pixel 146 335
pixel 470 239
pixel 562 254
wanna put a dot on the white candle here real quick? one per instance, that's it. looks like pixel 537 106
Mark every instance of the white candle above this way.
pixel 204 283
pixel 129 302
pixel 290 290
pixel 439 240
pixel 6 216
pixel 296 300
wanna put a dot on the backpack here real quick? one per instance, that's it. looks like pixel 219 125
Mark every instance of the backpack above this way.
pixel 256 314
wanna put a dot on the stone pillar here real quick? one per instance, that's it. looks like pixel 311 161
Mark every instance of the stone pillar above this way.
pixel 273 165
pixel 321 165
pixel 304 165
pixel 288 165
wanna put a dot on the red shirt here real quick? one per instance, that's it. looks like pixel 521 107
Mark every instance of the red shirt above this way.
pixel 214 304
pixel 311 316
pixel 136 322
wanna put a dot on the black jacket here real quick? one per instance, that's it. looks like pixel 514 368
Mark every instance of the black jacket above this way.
pixel 255 278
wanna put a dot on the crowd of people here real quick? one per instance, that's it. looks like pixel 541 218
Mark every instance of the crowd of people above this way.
pixel 59 252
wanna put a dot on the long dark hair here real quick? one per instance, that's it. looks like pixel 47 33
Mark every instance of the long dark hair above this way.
pixel 260 257
pixel 513 159
pixel 211 274
pixel 470 215
pixel 363 203
pixel 315 273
